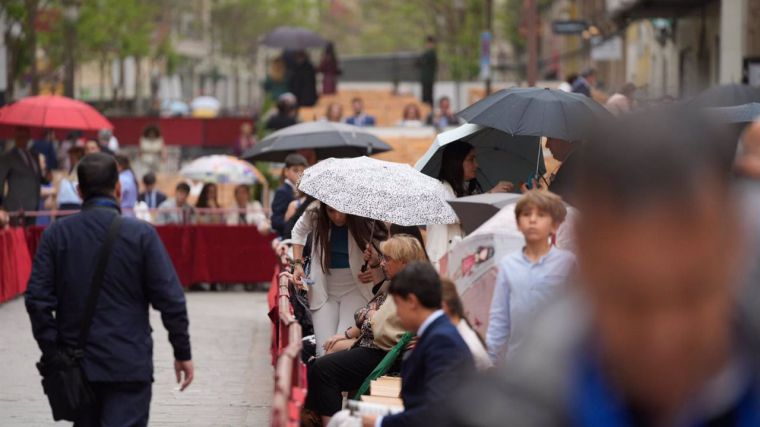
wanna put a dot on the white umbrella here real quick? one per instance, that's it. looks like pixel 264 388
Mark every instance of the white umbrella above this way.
pixel 221 170
pixel 380 190
pixel 206 102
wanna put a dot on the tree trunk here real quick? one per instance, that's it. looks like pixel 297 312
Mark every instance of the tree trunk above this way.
pixel 138 86
pixel 31 7
pixel 102 78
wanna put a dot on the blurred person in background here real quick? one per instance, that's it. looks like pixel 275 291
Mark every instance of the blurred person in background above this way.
pixel 585 83
pixel 248 212
pixel 330 69
pixel 412 116
pixel 656 333
pixel 276 82
pixel 92 146
pixel 334 113
pixel 47 147
pixel 286 112
pixel 129 186
pixel 567 85
pixel 22 172
pixel 209 199
pixel 152 148
pixel 360 118
pixel 73 139
pixel 622 102
pixel 303 82
pixel 428 65
pixel 68 195
pixel 177 210
pixel 246 140
pixel 295 164
pixel 107 139
pixel 443 116
pixel 151 196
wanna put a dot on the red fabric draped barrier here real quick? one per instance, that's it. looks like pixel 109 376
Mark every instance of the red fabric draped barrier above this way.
pixel 208 253
pixel 15 263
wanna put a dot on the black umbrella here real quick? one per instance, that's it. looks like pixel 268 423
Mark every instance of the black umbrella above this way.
pixel 328 139
pixel 537 112
pixel 473 211
pixel 293 38
pixel 728 95
pixel 746 113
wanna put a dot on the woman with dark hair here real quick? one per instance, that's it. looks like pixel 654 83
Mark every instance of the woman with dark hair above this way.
pixel 152 148
pixel 129 186
pixel 338 286
pixel 208 199
pixel 330 70
pixel 454 309
pixel 458 176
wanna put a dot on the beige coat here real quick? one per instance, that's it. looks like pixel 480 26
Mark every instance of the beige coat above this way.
pixel 318 292
pixel 386 326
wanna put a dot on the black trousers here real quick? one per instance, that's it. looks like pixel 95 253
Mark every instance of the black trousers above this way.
pixel 427 92
pixel 338 372
pixel 124 404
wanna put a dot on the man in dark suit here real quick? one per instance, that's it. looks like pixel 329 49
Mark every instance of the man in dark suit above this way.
pixel 152 197
pixel 294 167
pixel 118 353
pixel 20 168
pixel 439 359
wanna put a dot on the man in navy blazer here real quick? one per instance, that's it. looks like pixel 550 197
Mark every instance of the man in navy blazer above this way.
pixel 118 356
pixel 294 167
pixel 440 358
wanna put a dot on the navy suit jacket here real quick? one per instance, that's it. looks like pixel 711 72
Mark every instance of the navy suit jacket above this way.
pixel 282 198
pixel 139 273
pixel 160 198
pixel 430 373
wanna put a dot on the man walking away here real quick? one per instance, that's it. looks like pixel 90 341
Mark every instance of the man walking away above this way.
pixel 21 170
pixel 117 359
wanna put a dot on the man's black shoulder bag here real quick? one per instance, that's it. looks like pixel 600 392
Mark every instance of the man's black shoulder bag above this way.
pixel 63 381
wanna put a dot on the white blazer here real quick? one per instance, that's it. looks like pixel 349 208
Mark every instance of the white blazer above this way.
pixel 318 292
pixel 442 237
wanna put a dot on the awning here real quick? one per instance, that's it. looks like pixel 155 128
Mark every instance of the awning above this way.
pixel 621 10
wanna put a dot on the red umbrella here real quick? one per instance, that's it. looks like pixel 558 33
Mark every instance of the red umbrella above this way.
pixel 53 112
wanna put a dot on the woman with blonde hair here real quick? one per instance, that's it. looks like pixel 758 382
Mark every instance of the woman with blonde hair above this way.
pixel 353 354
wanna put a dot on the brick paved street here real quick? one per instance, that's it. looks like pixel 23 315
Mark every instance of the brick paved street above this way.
pixel 233 375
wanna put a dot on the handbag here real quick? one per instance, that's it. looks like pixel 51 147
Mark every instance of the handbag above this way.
pixel 63 380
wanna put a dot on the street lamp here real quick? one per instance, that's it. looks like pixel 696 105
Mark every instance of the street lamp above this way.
pixel 71 16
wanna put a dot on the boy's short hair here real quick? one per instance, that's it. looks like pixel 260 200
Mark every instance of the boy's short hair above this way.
pixel 421 280
pixel 183 187
pixel 545 201
pixel 149 178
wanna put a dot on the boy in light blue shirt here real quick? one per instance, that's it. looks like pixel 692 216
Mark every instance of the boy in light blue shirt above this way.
pixel 528 277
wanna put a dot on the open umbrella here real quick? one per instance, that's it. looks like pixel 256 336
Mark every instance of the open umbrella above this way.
pixel 222 169
pixel 727 95
pixel 501 157
pixel 746 113
pixel 473 211
pixel 53 112
pixel 537 112
pixel 328 139
pixel 380 190
pixel 293 38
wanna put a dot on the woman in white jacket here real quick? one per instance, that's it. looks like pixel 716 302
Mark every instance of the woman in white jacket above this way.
pixel 458 176
pixel 338 285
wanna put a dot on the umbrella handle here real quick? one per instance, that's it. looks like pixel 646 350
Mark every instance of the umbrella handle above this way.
pixel 372 242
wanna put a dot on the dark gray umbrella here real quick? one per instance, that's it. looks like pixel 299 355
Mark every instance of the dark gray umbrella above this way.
pixel 728 95
pixel 328 139
pixel 293 38
pixel 473 211
pixel 746 113
pixel 537 112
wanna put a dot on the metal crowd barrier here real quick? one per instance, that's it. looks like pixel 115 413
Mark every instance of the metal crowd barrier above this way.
pixel 290 371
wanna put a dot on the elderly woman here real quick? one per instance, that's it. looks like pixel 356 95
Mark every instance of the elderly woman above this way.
pixel 343 370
